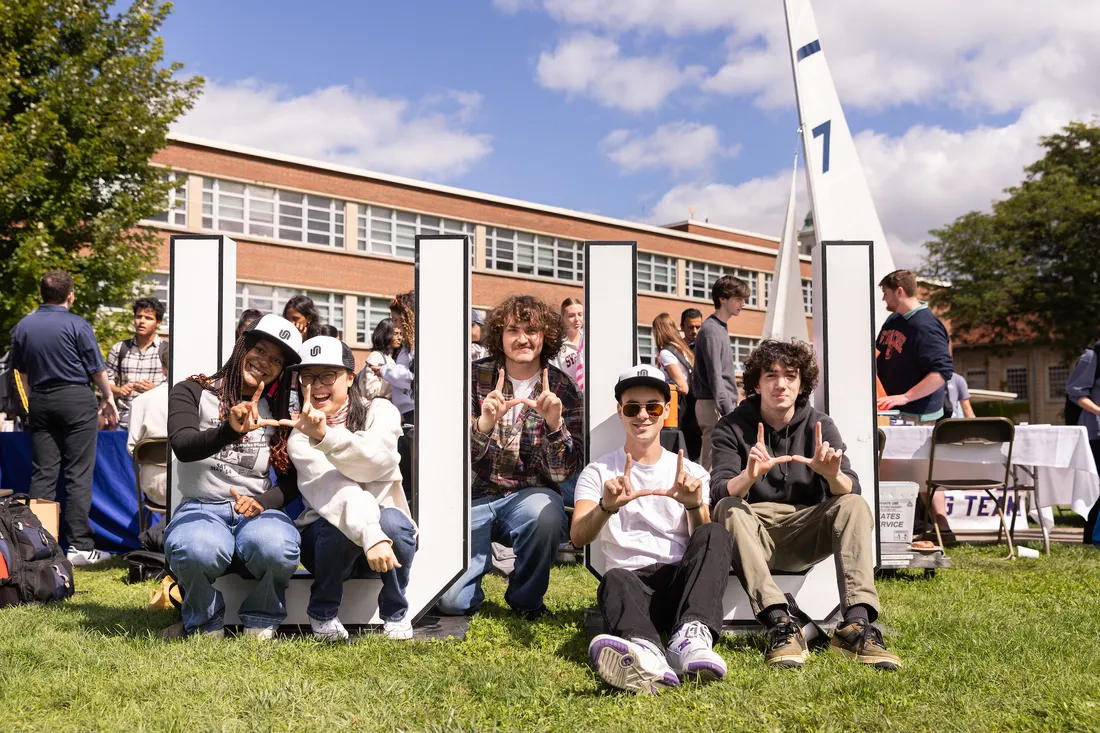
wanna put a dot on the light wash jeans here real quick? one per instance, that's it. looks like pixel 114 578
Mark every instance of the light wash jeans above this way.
pixel 204 538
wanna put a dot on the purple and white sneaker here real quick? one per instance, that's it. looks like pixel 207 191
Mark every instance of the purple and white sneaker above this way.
pixel 630 666
pixel 691 653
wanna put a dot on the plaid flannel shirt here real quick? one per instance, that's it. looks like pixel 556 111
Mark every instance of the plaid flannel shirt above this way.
pixel 523 454
pixel 137 365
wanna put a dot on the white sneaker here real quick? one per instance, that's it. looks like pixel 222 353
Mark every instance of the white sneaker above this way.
pixel 263 633
pixel 402 629
pixel 630 666
pixel 79 558
pixel 331 630
pixel 691 653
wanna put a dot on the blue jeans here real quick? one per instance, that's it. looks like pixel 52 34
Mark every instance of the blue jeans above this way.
pixel 531 522
pixel 333 558
pixel 569 489
pixel 204 538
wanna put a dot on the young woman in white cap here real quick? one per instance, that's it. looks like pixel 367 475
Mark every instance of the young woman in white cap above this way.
pixel 225 434
pixel 357 520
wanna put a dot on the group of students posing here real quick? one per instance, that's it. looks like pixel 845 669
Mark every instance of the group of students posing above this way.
pixel 780 495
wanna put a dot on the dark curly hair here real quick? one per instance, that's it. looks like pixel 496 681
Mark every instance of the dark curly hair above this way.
pixel 523 308
pixel 793 354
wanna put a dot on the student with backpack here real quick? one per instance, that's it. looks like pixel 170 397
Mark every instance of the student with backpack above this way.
pixel 344 448
pixel 133 365
pixel 225 434
pixel 1083 408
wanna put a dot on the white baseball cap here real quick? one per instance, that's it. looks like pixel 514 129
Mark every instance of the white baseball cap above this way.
pixel 642 375
pixel 326 351
pixel 281 331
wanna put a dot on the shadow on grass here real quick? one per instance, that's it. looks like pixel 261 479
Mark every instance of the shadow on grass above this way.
pixel 119 621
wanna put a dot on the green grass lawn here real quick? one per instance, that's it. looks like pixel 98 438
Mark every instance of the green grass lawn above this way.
pixel 989 645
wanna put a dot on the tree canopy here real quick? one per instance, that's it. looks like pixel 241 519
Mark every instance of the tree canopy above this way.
pixel 85 101
pixel 1030 269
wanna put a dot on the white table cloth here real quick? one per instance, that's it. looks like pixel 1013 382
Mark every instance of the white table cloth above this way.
pixel 1059 453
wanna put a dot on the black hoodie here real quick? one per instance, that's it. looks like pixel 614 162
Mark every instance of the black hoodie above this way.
pixel 788 483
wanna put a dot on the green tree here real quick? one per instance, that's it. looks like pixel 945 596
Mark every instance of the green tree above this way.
pixel 85 101
pixel 1030 269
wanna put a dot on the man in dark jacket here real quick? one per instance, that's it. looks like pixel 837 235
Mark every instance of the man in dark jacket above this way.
pixel 789 497
pixel 914 356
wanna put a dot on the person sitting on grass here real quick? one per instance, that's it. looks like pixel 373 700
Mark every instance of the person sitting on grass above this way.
pixel 344 449
pixel 225 437
pixel 784 489
pixel 667 563
pixel 526 436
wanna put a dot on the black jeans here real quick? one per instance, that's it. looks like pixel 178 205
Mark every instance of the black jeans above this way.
pixel 643 604
pixel 63 436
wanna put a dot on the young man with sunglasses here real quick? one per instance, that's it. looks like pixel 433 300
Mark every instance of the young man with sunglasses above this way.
pixel 526 437
pixel 666 562
pixel 788 496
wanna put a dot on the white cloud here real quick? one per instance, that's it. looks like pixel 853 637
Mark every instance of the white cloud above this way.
pixel 678 146
pixel 674 17
pixel 511 7
pixel 340 125
pixel 589 65
pixel 921 180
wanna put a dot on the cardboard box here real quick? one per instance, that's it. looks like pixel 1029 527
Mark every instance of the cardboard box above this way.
pixel 49 513
pixel 897 506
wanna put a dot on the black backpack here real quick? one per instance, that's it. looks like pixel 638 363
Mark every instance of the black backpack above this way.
pixel 1073 410
pixel 37 569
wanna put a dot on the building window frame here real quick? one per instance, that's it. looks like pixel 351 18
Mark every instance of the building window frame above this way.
pixel 272 213
pixel 175 214
pixel 1015 370
pixel 535 255
pixel 388 231
pixel 657 273
pixel 1057 376
pixel 700 276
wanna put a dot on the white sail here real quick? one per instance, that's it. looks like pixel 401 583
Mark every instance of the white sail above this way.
pixel 786 316
pixel 842 204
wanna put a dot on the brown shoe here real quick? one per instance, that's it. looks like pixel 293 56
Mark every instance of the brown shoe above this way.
pixel 863 641
pixel 786 644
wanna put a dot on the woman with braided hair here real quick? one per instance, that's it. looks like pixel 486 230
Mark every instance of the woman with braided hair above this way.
pixel 224 430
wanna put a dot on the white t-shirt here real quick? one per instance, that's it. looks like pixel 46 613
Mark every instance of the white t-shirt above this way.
pixel 521 390
pixel 650 530
pixel 665 358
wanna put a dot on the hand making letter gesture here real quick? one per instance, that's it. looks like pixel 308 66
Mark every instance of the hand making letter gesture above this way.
pixel 494 406
pixel 617 492
pixel 548 406
pixel 245 416
pixel 760 461
pixel 825 461
pixel 310 420
pixel 688 490
pixel 246 506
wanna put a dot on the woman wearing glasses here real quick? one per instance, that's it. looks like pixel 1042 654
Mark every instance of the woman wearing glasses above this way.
pixel 344 448
pixel 666 563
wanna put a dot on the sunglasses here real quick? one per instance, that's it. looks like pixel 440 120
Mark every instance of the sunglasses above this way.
pixel 655 409
pixel 326 378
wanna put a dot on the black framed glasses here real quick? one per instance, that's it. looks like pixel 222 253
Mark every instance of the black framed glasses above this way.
pixel 326 378
pixel 655 409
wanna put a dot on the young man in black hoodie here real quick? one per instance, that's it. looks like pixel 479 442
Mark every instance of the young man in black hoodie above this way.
pixel 786 492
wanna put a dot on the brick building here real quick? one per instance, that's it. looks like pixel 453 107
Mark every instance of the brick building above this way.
pixel 345 237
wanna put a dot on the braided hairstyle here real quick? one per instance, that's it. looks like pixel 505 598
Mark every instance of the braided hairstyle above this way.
pixel 226 384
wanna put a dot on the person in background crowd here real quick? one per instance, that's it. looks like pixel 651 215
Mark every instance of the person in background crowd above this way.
pixel 344 448
pixel 691 320
pixel 56 354
pixel 674 357
pixel 914 359
pixel 526 435
pixel 477 320
pixel 225 435
pixel 1083 393
pixel 385 341
pixel 247 317
pixel 789 497
pixel 399 375
pixel 571 357
pixel 958 396
pixel 133 365
pixel 712 380
pixel 149 421
pixel 666 563
pixel 329 330
pixel 301 311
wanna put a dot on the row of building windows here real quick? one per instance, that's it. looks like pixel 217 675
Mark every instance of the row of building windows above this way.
pixel 1017 380
pixel 647 348
pixel 658 273
pixel 261 211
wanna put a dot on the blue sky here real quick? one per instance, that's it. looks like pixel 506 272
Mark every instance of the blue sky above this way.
pixel 642 108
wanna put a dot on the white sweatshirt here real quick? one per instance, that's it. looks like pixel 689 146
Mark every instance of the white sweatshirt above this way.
pixel 348 478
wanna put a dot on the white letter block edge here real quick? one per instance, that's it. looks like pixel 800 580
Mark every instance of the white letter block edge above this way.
pixel 203 291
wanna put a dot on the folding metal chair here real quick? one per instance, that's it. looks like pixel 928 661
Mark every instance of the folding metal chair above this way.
pixel 972 432
pixel 148 452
